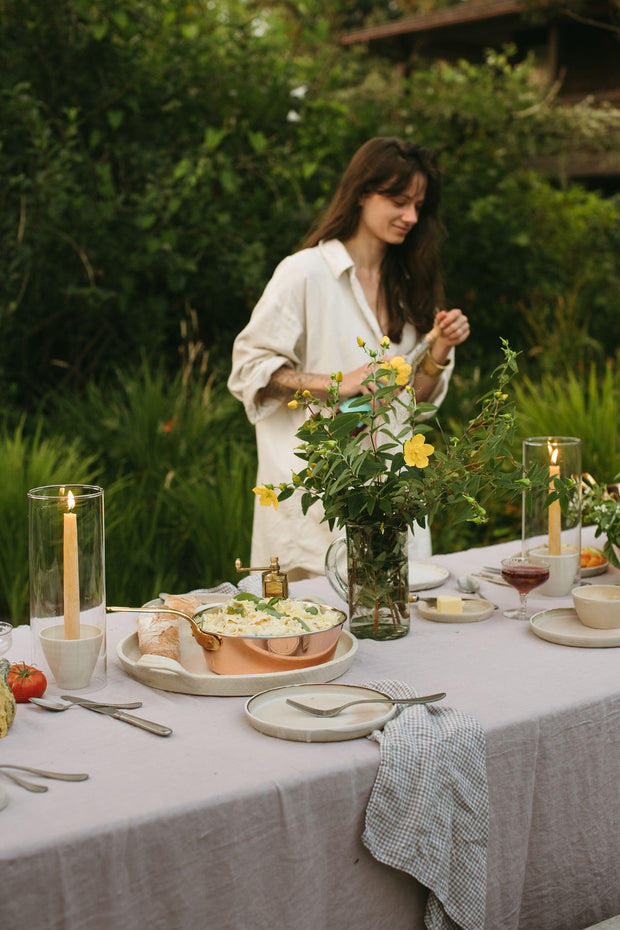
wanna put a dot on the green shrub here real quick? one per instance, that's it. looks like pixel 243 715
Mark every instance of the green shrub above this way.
pixel 178 464
pixel 576 403
pixel 28 462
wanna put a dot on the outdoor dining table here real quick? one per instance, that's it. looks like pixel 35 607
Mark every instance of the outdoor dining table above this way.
pixel 221 826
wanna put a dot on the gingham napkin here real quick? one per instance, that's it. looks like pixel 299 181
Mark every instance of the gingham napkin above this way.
pixel 251 584
pixel 428 812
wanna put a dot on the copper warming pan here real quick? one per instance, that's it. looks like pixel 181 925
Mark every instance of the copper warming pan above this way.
pixel 252 655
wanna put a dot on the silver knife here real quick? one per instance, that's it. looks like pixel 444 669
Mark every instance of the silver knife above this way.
pixel 432 601
pixel 494 579
pixel 77 700
pixel 156 728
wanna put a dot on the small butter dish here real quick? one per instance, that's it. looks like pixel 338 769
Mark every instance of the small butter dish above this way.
pixel 473 608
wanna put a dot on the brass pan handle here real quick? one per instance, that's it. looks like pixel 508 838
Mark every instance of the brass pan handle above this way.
pixel 209 641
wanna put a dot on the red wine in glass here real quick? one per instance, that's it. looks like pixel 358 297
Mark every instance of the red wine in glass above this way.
pixel 524 572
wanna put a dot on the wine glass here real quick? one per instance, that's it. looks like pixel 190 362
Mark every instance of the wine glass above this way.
pixel 6 638
pixel 524 572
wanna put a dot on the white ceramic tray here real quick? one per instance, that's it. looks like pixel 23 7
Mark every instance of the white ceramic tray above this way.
pixel 561 625
pixel 270 714
pixel 192 675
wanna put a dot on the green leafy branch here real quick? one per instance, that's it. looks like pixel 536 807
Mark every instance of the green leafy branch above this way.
pixel 372 464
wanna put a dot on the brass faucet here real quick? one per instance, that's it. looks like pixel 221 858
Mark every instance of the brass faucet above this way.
pixel 275 582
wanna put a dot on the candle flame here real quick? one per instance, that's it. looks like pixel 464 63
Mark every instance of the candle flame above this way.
pixel 553 453
pixel 70 501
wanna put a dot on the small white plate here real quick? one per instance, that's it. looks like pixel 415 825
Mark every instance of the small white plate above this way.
pixel 474 608
pixel 269 713
pixel 562 625
pixel 594 570
pixel 424 575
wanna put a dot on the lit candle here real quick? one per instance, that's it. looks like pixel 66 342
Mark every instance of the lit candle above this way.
pixel 71 574
pixel 555 514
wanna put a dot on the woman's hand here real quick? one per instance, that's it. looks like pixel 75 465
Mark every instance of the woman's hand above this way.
pixel 454 330
pixel 351 384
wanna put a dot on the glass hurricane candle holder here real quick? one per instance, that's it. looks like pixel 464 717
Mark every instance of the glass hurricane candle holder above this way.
pixel 67 585
pixel 547 531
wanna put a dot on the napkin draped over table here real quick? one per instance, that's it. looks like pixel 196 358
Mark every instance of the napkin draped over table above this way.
pixel 428 813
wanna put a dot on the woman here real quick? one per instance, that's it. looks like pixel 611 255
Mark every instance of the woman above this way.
pixel 371 268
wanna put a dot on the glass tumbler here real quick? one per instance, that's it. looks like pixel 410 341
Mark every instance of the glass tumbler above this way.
pixel 67 585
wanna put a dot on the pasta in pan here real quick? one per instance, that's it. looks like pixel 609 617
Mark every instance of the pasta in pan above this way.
pixel 249 615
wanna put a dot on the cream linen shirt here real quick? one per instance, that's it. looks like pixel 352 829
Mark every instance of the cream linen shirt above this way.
pixel 309 318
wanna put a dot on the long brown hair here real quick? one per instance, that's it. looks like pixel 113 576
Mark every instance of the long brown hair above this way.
pixel 410 273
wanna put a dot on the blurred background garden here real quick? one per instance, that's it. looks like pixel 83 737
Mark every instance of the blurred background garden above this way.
pixel 157 159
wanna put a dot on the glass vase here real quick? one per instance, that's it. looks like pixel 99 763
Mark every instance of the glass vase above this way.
pixel 376 586
pixel 67 585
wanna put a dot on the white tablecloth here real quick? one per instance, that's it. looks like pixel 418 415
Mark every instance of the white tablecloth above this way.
pixel 219 826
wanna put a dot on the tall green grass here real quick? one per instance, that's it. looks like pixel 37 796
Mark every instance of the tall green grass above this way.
pixel 576 403
pixel 176 458
pixel 30 461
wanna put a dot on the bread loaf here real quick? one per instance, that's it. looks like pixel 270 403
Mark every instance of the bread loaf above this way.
pixel 158 633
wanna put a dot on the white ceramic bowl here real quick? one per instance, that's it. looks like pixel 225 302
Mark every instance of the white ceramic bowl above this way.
pixel 598 605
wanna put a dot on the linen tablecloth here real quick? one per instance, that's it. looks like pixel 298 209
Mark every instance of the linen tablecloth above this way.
pixel 219 826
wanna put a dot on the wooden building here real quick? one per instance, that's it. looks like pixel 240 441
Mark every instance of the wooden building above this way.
pixel 580 54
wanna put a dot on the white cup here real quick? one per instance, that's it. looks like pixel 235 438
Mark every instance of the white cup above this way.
pixel 71 661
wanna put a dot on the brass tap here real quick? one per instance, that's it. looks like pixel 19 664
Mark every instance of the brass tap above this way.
pixel 275 582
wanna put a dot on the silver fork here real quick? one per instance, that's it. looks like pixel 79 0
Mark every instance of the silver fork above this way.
pixel 334 711
pixel 28 785
pixel 43 773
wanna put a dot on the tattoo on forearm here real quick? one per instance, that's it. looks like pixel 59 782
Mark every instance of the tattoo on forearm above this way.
pixel 285 382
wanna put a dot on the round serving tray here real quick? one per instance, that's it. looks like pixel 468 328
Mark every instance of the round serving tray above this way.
pixel 192 675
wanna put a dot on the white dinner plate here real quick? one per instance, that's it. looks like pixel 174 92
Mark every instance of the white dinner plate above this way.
pixel 424 575
pixel 474 608
pixel 562 625
pixel 269 713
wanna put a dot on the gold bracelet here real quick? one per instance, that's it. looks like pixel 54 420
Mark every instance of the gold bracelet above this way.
pixel 432 368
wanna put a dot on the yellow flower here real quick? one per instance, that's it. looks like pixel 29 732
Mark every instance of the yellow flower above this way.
pixel 385 342
pixel 417 451
pixel 267 496
pixel 338 377
pixel 292 404
pixel 402 368
pixel 360 342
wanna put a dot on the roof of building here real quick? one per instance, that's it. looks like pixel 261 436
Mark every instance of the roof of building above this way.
pixel 472 11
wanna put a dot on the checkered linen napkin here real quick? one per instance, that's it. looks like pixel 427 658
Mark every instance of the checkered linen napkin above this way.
pixel 252 584
pixel 428 813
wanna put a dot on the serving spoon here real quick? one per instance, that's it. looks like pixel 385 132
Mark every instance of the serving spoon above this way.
pixel 334 711
pixel 468 584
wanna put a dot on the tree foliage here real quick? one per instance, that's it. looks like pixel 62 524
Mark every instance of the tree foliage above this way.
pixel 157 160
